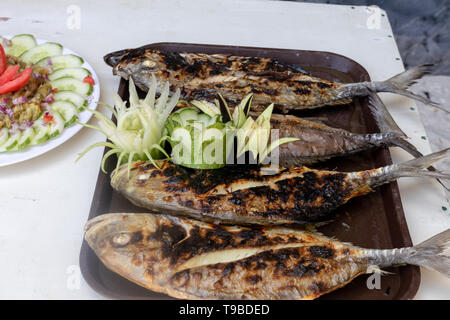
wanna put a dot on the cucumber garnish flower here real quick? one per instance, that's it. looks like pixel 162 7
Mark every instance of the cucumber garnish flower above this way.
pixel 139 131
pixel 252 135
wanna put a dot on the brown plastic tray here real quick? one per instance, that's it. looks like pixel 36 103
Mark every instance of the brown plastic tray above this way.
pixel 372 221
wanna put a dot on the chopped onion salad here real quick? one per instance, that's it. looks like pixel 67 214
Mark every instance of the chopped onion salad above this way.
pixel 42 91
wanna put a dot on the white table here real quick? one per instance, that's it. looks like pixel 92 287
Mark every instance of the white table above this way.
pixel 44 202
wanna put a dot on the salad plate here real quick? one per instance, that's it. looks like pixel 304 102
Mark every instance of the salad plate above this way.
pixel 70 104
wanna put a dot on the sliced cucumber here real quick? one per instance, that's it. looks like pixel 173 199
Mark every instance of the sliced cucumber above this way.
pixel 20 44
pixel 67 111
pixel 76 73
pixel 184 115
pixel 80 102
pixel 4 135
pixel 181 146
pixel 57 126
pixel 11 143
pixel 45 50
pixel 207 120
pixel 70 84
pixel 187 148
pixel 61 62
pixel 175 120
pixel 25 138
pixel 42 131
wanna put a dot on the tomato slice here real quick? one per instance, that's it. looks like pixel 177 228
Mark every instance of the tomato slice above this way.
pixel 2 60
pixel 89 79
pixel 20 81
pixel 48 118
pixel 9 74
pixel 15 76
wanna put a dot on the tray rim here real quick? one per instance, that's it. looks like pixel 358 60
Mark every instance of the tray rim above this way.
pixel 413 284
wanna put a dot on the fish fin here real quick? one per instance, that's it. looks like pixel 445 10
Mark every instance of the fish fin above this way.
pixel 433 253
pixel 399 83
pixel 382 116
pixel 385 273
pixel 376 269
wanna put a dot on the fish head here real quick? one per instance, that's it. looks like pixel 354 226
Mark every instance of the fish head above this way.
pixel 131 65
pixel 140 64
pixel 118 239
pixel 136 246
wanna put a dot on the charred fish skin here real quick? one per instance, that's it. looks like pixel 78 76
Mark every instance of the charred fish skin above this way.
pixel 190 259
pixel 201 76
pixel 241 194
pixel 236 194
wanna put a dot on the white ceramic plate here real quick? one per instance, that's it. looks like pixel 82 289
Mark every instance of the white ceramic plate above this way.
pixel 8 158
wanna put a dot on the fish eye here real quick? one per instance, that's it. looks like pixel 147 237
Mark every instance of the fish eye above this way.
pixel 149 64
pixel 120 239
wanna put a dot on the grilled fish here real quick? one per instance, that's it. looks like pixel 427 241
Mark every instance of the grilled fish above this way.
pixel 189 259
pixel 201 76
pixel 242 194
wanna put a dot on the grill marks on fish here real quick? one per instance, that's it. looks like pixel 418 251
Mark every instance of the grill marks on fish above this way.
pixel 292 270
pixel 191 259
pixel 240 194
pixel 178 178
pixel 201 76
pixel 179 244
pixel 286 92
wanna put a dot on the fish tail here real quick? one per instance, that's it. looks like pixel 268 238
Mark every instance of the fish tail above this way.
pixel 383 118
pixel 419 167
pixel 433 254
pixel 412 150
pixel 394 139
pixel 399 84
pixel 413 168
pixel 407 146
